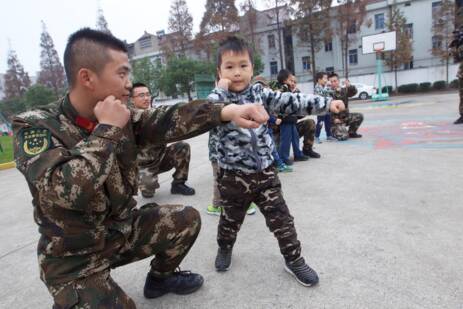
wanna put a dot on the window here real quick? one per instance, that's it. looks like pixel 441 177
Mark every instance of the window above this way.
pixel 437 42
pixel 409 65
pixel 409 30
pixel 328 46
pixel 306 63
pixel 329 70
pixel 407 4
pixel 352 28
pixel 353 56
pixel 271 41
pixel 145 42
pixel 273 68
pixel 379 21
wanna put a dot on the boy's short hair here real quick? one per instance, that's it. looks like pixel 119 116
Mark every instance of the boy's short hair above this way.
pixel 320 75
pixel 137 85
pixel 236 45
pixel 87 48
pixel 332 74
pixel 283 75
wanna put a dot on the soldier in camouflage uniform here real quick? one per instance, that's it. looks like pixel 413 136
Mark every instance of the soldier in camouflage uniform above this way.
pixel 345 124
pixel 78 156
pixel 158 159
pixel 460 88
pixel 245 159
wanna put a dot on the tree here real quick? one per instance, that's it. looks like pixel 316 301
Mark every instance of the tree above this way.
pixel 442 29
pixel 51 74
pixel 249 21
pixel 178 75
pixel 350 17
pixel 276 10
pixel 101 23
pixel 403 53
pixel 180 24
pixel 147 72
pixel 16 79
pixel 313 26
pixel 220 16
pixel 38 95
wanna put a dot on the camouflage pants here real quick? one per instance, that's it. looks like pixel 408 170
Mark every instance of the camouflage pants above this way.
pixel 306 129
pixel 460 86
pixel 165 231
pixel 176 155
pixel 216 201
pixel 238 190
pixel 344 124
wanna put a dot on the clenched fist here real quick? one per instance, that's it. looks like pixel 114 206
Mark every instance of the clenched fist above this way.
pixel 245 116
pixel 224 83
pixel 111 111
pixel 337 106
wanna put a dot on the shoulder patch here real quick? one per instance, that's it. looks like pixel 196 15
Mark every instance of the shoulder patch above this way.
pixel 35 141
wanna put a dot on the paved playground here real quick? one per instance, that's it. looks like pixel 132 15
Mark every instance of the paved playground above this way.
pixel 383 229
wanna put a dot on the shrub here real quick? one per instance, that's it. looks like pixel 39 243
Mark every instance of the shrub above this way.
pixel 424 87
pixel 454 84
pixel 439 85
pixel 387 89
pixel 408 88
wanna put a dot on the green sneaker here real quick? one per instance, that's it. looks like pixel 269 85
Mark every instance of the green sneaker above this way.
pixel 285 168
pixel 252 209
pixel 211 210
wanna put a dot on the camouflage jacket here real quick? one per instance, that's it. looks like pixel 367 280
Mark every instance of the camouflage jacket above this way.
pixel 322 90
pixel 250 150
pixel 83 176
pixel 342 94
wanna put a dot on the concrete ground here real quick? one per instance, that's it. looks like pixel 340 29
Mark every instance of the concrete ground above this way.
pixel 380 219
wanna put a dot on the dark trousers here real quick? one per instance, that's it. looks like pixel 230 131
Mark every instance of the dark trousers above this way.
pixel 289 136
pixel 326 119
pixel 238 190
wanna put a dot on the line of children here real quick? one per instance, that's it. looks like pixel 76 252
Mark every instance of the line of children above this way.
pixel 246 173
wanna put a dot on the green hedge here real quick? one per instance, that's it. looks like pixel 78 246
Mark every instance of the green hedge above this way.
pixel 454 84
pixel 424 87
pixel 387 89
pixel 439 85
pixel 7 146
pixel 408 88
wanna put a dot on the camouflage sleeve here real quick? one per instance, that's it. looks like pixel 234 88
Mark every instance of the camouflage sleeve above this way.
pixel 65 177
pixel 166 124
pixel 287 103
pixel 349 91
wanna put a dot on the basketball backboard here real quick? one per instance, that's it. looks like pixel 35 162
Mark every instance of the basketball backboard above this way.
pixel 379 42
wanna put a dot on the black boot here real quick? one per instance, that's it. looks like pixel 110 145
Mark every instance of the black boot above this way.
pixel 223 259
pixel 354 135
pixel 311 153
pixel 302 272
pixel 181 188
pixel 180 282
pixel 459 120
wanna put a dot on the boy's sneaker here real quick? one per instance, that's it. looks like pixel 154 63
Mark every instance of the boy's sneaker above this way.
pixel 252 209
pixel 318 140
pixel 302 272
pixel 331 139
pixel 283 168
pixel 180 282
pixel 223 259
pixel 211 210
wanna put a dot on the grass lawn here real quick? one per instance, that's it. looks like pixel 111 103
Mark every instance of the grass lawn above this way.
pixel 7 146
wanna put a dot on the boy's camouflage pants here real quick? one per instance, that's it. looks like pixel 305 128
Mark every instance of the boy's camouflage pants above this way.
pixel 306 129
pixel 238 190
pixel 176 155
pixel 165 231
pixel 346 123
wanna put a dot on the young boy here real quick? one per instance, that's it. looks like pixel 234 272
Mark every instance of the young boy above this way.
pixel 246 171
pixel 322 89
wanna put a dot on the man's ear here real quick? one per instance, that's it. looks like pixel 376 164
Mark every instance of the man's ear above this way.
pixel 86 78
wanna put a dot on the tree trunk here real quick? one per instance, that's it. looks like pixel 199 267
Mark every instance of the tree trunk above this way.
pixel 279 35
pixel 447 70
pixel 395 76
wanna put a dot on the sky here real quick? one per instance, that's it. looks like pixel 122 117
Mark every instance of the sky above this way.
pixel 20 23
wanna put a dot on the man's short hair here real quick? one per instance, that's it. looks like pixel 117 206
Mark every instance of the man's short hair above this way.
pixel 87 48
pixel 137 85
pixel 283 75
pixel 320 75
pixel 332 74
pixel 236 45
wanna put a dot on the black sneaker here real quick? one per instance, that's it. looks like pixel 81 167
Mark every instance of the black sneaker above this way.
pixel 180 282
pixel 302 272
pixel 181 188
pixel 355 135
pixel 310 153
pixel 301 158
pixel 459 120
pixel 223 259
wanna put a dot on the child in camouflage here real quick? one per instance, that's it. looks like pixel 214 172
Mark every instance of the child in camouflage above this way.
pixel 246 171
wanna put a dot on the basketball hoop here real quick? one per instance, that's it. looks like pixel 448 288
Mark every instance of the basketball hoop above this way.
pixel 378 47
